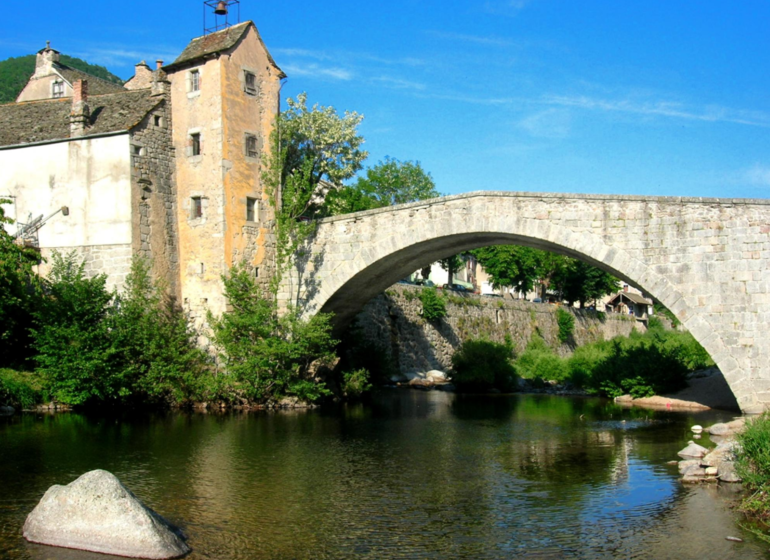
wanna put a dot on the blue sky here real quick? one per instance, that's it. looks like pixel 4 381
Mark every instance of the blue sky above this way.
pixel 657 98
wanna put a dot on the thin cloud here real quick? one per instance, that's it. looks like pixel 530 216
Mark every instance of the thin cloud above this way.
pixel 118 56
pixel 551 124
pixel 318 71
pixel 398 83
pixel 669 109
pixel 489 41
pixel 758 175
pixel 505 7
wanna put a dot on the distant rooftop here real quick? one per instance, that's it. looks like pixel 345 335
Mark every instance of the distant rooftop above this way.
pixel 46 120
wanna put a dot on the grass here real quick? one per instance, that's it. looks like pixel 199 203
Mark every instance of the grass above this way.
pixel 753 466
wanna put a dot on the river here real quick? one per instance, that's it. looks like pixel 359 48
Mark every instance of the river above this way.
pixel 410 474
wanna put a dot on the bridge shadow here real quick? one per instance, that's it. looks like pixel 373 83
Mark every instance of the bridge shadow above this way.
pixel 306 262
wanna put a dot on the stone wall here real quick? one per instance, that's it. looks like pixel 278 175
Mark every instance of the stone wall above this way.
pixel 154 202
pixel 392 322
pixel 112 260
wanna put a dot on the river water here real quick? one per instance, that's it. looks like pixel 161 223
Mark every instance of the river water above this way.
pixel 409 475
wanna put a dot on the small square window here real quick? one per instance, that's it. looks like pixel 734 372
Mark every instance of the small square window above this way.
pixel 195 144
pixel 196 208
pixel 136 150
pixel 58 90
pixel 157 120
pixel 251 209
pixel 251 146
pixel 195 80
pixel 250 83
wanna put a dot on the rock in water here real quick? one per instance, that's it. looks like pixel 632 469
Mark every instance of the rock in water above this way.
pixel 97 513
pixel 693 450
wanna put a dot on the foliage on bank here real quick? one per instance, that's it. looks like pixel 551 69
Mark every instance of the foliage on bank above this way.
pixel 21 389
pixel 481 365
pixel 656 362
pixel 753 466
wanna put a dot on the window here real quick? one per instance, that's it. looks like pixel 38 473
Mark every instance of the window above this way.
pixel 196 208
pixel 157 120
pixel 250 82
pixel 58 90
pixel 195 144
pixel 195 80
pixel 136 150
pixel 251 146
pixel 251 209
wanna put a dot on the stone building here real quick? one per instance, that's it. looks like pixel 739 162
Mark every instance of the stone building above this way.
pixel 165 166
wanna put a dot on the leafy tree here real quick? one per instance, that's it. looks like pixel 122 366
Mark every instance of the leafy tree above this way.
pixel 451 265
pixel 511 266
pixel 389 182
pixel 18 296
pixel 582 282
pixel 270 353
pixel 307 146
pixel 157 348
pixel 72 336
pixel 15 73
pixel 521 267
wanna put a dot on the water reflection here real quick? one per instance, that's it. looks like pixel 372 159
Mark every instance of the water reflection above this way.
pixel 410 475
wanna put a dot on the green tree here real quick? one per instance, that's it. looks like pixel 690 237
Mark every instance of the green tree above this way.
pixel 19 294
pixel 582 282
pixel 451 265
pixel 307 146
pixel 388 183
pixel 160 360
pixel 268 352
pixel 72 335
pixel 511 266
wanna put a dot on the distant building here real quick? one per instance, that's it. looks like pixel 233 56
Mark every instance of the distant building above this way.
pixel 631 303
pixel 165 166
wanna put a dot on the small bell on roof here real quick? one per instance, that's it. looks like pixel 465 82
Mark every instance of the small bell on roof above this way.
pixel 221 9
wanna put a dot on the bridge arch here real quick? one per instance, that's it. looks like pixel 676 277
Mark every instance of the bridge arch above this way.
pixel 652 243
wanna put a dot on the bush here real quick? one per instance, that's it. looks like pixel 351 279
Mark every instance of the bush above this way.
pixel 480 365
pixel 753 465
pixel 355 383
pixel 72 335
pixel 21 389
pixel 538 362
pixel 160 360
pixel 433 305
pixel 271 355
pixel 566 322
pixel 639 367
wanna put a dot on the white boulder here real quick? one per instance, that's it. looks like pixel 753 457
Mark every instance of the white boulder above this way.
pixel 97 513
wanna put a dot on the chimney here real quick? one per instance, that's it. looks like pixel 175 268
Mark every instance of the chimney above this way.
pixel 45 60
pixel 160 82
pixel 80 113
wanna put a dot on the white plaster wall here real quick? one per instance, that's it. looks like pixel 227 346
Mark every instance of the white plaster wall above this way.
pixel 91 177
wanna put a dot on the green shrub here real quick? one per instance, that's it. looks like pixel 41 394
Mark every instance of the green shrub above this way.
pixel 270 354
pixel 75 350
pixel 480 365
pixel 21 389
pixel 355 383
pixel 566 322
pixel 538 362
pixel 160 360
pixel 433 305
pixel 753 465
pixel 640 367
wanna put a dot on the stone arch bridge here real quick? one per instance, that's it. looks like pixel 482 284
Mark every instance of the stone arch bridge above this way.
pixel 707 260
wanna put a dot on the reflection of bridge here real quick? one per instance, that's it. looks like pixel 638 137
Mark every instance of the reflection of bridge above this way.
pixel 708 260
